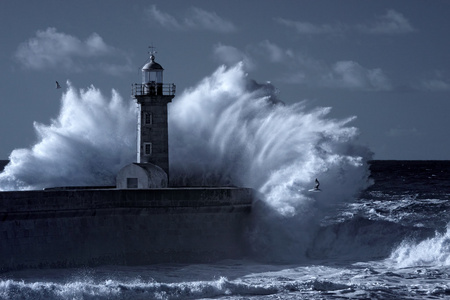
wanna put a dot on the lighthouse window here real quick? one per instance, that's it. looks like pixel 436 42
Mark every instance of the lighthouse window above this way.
pixel 148 148
pixel 148 119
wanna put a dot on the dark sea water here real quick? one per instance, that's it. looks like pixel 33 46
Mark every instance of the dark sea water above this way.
pixel 390 242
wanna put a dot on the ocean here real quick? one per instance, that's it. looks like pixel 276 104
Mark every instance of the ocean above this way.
pixel 391 241
pixel 377 229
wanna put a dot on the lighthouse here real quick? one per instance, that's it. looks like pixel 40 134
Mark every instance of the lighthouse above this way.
pixel 152 97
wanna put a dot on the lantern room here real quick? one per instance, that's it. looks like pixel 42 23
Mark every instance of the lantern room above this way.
pixel 152 72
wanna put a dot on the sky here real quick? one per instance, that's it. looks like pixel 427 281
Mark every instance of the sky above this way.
pixel 385 62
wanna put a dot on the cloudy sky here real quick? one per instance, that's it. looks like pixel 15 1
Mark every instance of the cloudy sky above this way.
pixel 386 62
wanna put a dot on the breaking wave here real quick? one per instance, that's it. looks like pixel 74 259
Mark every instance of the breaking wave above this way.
pixel 87 144
pixel 434 251
pixel 227 130
pixel 231 130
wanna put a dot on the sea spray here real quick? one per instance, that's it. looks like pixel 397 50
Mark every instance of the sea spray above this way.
pixel 227 130
pixel 230 130
pixel 87 144
pixel 434 251
pixel 235 131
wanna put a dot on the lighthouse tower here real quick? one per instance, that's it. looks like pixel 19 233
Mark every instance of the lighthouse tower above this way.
pixel 152 97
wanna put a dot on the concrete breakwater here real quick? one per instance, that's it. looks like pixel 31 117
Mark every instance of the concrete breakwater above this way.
pixel 69 228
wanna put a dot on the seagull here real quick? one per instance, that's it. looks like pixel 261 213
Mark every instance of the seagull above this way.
pixel 57 85
pixel 317 185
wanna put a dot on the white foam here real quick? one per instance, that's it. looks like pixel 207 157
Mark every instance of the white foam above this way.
pixel 230 130
pixel 233 128
pixel 433 251
pixel 90 140
pixel 227 130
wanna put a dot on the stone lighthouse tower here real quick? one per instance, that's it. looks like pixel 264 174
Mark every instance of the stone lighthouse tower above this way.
pixel 152 96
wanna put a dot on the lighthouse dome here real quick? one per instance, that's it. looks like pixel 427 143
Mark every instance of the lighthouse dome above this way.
pixel 152 65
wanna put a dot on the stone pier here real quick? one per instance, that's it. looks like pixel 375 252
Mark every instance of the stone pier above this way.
pixel 72 228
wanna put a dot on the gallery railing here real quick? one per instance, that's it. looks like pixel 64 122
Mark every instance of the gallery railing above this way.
pixel 153 89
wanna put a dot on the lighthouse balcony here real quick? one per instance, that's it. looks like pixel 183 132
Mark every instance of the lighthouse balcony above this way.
pixel 153 89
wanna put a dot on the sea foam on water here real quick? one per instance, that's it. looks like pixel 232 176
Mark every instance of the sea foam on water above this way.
pixel 434 251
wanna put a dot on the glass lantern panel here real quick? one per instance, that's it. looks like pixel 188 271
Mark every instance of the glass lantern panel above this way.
pixel 149 76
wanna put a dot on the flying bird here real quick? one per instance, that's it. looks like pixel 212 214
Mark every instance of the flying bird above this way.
pixel 317 185
pixel 57 85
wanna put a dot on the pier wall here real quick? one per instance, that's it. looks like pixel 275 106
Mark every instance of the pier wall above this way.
pixel 70 228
